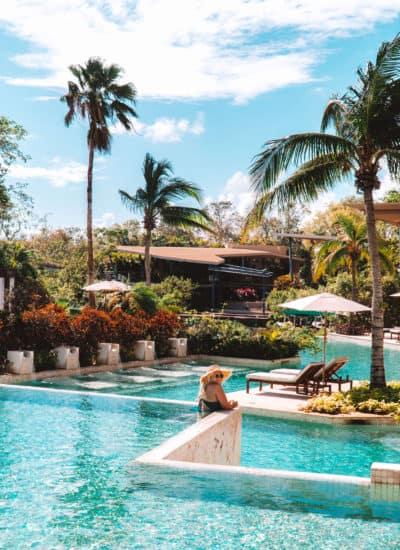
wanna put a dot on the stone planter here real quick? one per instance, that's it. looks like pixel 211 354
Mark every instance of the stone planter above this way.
pixel 178 347
pixel 145 350
pixel 67 357
pixel 21 362
pixel 108 354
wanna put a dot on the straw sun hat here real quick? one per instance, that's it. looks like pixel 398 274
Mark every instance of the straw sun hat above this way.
pixel 213 370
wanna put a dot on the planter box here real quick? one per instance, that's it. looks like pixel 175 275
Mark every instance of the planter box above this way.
pixel 145 350
pixel 108 354
pixel 178 347
pixel 67 357
pixel 21 362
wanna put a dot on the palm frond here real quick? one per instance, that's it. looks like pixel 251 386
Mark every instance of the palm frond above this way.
pixel 314 177
pixel 186 217
pixel 334 114
pixel 278 155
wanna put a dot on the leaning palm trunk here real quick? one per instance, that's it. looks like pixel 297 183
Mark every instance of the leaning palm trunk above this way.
pixel 89 226
pixel 378 379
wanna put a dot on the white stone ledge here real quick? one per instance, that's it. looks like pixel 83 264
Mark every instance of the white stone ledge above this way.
pixel 385 473
pixel 215 439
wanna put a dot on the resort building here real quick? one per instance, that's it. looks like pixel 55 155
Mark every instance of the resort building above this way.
pixel 218 272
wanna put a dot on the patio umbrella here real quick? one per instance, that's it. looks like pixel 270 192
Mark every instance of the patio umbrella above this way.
pixel 325 303
pixel 396 295
pixel 107 286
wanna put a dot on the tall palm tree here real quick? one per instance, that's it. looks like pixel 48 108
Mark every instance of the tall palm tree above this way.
pixel 155 201
pixel 97 97
pixel 348 250
pixel 366 132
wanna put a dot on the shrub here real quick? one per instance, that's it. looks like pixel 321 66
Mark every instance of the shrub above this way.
pixel 90 327
pixel 174 293
pixel 385 401
pixel 329 404
pixel 145 298
pixel 223 337
pixel 46 328
pixel 161 326
pixel 355 325
pixel 126 329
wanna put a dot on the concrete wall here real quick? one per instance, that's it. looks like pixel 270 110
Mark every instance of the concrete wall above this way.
pixel 215 439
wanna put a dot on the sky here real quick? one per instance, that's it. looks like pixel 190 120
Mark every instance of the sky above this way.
pixel 215 80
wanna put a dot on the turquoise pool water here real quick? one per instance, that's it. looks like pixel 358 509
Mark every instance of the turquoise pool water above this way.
pixel 308 447
pixel 67 481
pixel 181 381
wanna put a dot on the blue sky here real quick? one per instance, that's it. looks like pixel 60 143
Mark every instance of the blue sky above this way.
pixel 215 80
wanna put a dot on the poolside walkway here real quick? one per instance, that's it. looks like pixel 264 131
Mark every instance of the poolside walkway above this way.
pixel 284 402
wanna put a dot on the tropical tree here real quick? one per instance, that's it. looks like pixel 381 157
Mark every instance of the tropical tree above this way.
pixel 366 133
pixel 348 250
pixel 97 97
pixel 155 201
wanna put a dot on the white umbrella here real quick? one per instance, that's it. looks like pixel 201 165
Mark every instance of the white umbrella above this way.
pixel 325 303
pixel 107 286
pixel 396 295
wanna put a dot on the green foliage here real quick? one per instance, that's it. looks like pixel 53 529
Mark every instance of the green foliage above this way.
pixel 304 337
pixel 230 338
pixel 336 403
pixel 174 293
pixel 145 298
pixel 385 401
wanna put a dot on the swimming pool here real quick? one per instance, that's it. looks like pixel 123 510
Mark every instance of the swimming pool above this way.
pixel 67 481
pixel 308 447
pixel 180 381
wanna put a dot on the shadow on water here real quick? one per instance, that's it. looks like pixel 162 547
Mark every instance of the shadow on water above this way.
pixel 290 495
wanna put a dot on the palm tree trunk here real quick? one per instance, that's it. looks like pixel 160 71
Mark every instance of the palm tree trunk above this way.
pixel 354 290
pixel 378 379
pixel 89 224
pixel 147 258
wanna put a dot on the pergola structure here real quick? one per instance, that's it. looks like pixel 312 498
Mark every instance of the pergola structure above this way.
pixel 237 270
pixel 384 211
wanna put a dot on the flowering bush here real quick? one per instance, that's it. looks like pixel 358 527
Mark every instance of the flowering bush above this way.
pixel 385 401
pixel 90 327
pixel 127 329
pixel 163 325
pixel 46 328
pixel 246 293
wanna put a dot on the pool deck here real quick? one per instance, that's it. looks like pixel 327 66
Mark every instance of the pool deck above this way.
pixel 284 402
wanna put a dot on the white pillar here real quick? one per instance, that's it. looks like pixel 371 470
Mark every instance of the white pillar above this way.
pixel 144 350
pixel 178 347
pixel 108 354
pixel 67 357
pixel 20 362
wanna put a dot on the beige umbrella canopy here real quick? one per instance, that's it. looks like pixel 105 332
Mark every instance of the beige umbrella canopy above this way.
pixel 107 286
pixel 325 303
pixel 396 295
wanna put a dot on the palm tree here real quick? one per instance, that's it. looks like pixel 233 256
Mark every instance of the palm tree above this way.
pixel 348 250
pixel 155 202
pixel 97 96
pixel 366 132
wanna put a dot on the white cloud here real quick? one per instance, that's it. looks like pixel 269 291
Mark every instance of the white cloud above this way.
pixel 58 174
pixel 107 219
pixel 166 130
pixel 237 191
pixel 187 50
pixel 46 98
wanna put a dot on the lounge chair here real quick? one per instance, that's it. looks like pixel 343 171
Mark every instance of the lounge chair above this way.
pixel 302 379
pixel 327 373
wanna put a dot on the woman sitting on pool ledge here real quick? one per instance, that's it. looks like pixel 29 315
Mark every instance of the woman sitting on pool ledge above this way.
pixel 211 395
